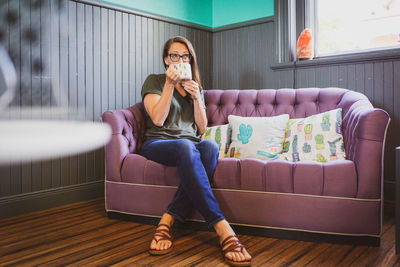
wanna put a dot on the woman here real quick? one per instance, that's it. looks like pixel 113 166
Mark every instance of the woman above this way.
pixel 175 119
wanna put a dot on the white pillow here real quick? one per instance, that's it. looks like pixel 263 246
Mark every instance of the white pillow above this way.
pixel 257 137
pixel 316 138
pixel 221 134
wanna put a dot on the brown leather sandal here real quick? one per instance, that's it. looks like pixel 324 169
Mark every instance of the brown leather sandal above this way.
pixel 232 243
pixel 164 234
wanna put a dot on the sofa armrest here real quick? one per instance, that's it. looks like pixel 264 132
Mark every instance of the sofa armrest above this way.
pixel 364 132
pixel 123 140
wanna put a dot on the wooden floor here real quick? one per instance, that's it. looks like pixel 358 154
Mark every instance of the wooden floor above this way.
pixel 82 234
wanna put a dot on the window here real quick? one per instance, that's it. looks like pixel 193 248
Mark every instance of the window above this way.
pixel 356 25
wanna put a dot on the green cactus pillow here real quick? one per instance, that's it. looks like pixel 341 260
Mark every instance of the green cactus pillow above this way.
pixel 316 138
pixel 257 137
pixel 221 134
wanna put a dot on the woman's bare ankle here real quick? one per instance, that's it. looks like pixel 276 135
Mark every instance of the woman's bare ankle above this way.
pixel 167 219
pixel 223 229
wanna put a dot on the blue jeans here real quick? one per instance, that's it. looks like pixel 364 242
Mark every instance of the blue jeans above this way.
pixel 196 164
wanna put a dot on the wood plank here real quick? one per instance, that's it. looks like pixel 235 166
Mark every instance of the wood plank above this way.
pixel 49 212
pixel 96 242
pixel 81 234
pixel 36 229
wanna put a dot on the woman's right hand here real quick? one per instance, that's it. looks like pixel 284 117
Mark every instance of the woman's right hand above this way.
pixel 172 75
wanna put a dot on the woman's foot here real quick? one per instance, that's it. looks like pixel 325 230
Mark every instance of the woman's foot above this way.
pixel 234 251
pixel 162 239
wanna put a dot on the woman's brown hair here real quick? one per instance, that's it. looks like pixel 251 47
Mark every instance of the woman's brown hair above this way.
pixel 193 59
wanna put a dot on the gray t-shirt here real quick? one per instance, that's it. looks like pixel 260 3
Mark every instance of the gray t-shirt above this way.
pixel 180 120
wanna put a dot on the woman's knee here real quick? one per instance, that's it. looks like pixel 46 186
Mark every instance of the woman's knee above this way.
pixel 208 146
pixel 185 147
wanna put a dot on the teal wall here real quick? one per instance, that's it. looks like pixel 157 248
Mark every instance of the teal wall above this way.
pixel 193 11
pixel 227 12
pixel 209 13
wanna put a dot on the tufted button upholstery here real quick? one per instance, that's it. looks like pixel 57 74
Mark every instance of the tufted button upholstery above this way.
pixel 298 103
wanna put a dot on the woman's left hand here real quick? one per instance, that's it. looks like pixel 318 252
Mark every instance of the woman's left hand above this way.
pixel 192 88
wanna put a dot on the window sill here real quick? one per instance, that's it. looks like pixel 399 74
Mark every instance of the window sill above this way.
pixel 362 57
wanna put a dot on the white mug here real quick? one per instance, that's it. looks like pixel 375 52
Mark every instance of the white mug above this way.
pixel 184 70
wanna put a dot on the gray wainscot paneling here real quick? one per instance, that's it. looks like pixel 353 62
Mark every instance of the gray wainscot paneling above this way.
pixel 100 55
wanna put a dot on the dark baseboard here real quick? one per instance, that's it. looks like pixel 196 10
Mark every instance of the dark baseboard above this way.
pixel 258 231
pixel 46 199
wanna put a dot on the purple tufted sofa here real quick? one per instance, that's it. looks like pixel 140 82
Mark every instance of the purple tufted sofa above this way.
pixel 342 198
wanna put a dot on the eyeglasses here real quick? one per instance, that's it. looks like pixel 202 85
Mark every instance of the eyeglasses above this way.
pixel 176 57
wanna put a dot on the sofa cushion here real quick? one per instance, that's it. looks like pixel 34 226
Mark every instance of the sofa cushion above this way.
pixel 221 134
pixel 257 137
pixel 336 178
pixel 315 138
pixel 137 169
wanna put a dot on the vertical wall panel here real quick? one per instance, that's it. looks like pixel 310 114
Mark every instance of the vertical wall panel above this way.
pixel 144 54
pixel 36 92
pixel 26 87
pixel 369 81
pixel 377 101
pixel 156 47
pixel 104 66
pixel 45 44
pixel 132 64
pixel 334 74
pixel 125 61
pixel 150 47
pixel 138 57
pixel 72 79
pixel 97 90
pixel 387 91
pixel 80 26
pixel 118 60
pixel 360 78
pixel 5 170
pixel 63 84
pixel 351 77
pixel 89 90
pixel 395 123
pixel 111 60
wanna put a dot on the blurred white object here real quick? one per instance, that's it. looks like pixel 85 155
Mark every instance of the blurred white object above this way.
pixel 9 78
pixel 26 140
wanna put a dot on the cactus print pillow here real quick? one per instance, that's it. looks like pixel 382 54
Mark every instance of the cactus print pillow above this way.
pixel 257 137
pixel 316 138
pixel 221 134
